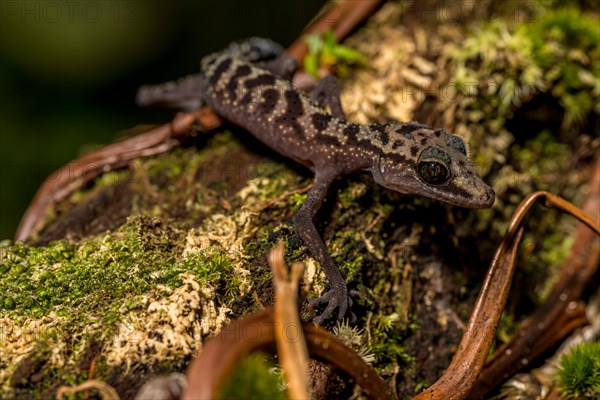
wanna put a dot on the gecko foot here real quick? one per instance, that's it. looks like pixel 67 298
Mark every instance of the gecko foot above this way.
pixel 334 299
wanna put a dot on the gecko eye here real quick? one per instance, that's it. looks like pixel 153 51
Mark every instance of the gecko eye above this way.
pixel 433 166
pixel 433 172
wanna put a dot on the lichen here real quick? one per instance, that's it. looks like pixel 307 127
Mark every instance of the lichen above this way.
pixel 166 328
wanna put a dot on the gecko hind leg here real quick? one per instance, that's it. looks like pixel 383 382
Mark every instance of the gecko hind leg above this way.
pixel 327 94
pixel 254 49
pixel 284 66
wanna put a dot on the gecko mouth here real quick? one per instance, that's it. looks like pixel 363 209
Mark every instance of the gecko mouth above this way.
pixel 480 196
pixel 462 198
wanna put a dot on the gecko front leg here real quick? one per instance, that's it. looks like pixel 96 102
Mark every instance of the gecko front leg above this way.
pixel 337 296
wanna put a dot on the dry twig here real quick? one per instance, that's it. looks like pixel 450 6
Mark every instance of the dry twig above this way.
pixel 106 391
pixel 291 349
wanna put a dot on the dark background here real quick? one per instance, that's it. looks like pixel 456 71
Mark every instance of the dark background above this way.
pixel 69 71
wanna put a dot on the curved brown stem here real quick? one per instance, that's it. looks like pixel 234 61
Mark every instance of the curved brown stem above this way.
pixel 222 353
pixel 460 377
pixel 64 181
pixel 557 317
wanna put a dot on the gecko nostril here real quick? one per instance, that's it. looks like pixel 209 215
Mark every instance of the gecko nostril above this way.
pixel 488 195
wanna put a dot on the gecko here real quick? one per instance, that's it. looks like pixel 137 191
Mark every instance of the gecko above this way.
pixel 249 84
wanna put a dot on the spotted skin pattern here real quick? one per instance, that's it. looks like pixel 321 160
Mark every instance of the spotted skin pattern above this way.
pixel 245 85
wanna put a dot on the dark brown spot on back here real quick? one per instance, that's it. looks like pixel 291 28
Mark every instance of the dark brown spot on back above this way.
pixel 370 147
pixel 246 99
pixel 351 131
pixel 408 128
pixel 329 140
pixel 269 99
pixel 260 80
pixel 382 133
pixel 219 70
pixel 241 71
pixel 414 150
pixel 294 109
pixel 397 143
pixel 320 121
pixel 294 104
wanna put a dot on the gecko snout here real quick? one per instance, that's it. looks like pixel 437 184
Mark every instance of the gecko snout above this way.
pixel 488 197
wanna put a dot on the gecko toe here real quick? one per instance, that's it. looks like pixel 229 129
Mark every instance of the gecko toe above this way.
pixel 352 318
pixel 334 300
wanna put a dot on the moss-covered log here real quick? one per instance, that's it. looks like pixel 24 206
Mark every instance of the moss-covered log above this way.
pixel 129 276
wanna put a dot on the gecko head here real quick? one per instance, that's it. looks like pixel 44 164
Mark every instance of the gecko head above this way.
pixel 429 162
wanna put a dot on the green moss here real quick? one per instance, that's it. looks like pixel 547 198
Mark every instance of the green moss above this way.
pixel 507 60
pixel 505 331
pixel 253 379
pixel 543 152
pixel 297 200
pixel 566 45
pixel 65 292
pixel 552 54
pixel 326 52
pixel 352 193
pixel 389 332
pixel 558 52
pixel 391 350
pixel 579 372
pixel 63 276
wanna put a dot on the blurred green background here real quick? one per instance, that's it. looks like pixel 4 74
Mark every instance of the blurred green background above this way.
pixel 69 72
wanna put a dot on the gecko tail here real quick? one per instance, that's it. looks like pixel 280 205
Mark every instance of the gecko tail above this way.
pixel 185 93
pixel 188 92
